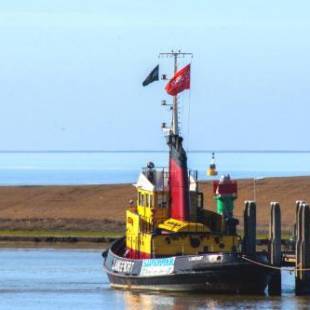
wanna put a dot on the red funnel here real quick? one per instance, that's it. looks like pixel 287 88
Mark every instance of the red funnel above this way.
pixel 178 180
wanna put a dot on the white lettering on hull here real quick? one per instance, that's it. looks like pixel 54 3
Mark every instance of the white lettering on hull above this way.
pixel 122 266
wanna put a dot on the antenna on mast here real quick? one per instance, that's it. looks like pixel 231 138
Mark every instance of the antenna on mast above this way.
pixel 175 117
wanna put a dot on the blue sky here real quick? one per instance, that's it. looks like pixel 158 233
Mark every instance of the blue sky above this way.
pixel 71 74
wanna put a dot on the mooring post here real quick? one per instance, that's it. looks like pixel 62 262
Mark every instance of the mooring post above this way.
pixel 274 247
pixel 298 223
pixel 298 204
pixel 249 239
pixel 302 274
pixel 298 229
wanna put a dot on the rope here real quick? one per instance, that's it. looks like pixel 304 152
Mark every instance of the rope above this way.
pixel 265 265
pixel 274 267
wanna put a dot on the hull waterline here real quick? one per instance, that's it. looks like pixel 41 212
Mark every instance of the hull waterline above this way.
pixel 212 273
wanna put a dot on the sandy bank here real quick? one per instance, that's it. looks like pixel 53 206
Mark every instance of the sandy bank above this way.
pixel 102 207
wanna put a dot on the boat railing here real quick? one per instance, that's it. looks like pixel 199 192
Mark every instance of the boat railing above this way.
pixel 157 176
pixel 119 247
pixel 193 174
pixel 160 176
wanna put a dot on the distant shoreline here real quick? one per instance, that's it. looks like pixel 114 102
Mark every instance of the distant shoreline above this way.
pixel 98 211
pixel 27 241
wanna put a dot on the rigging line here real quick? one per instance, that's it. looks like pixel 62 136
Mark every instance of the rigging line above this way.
pixel 189 115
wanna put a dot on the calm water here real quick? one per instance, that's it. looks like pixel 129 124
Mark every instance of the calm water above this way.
pixel 123 167
pixel 73 279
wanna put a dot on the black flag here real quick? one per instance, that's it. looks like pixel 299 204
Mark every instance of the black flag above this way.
pixel 153 76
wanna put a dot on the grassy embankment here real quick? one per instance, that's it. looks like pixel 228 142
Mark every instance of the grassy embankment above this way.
pixel 59 234
pixel 98 212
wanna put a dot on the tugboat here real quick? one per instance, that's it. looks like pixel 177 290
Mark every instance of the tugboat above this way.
pixel 172 242
pixel 212 167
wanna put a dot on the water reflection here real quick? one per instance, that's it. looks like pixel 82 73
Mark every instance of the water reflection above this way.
pixel 184 301
pixel 181 301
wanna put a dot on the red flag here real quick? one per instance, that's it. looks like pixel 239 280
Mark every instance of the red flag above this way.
pixel 180 81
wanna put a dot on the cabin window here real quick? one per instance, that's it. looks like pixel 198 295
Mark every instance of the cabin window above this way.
pixel 151 201
pixel 146 200
pixel 139 198
pixel 142 200
pixel 161 200
pixel 165 202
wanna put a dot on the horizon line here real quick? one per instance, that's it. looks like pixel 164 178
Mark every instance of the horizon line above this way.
pixel 154 151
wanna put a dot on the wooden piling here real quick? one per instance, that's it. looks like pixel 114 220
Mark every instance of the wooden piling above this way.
pixel 302 276
pixel 298 228
pixel 249 239
pixel 274 247
pixel 298 204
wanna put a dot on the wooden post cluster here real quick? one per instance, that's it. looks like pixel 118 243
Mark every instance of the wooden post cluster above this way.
pixel 302 276
pixel 249 239
pixel 274 248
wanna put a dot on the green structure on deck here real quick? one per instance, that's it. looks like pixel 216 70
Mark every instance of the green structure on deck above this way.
pixel 225 193
pixel 225 204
